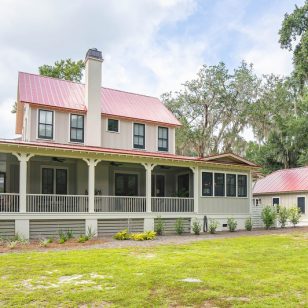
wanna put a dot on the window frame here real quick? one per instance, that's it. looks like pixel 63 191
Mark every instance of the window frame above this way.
pixel 162 149
pixel 305 203
pixel 224 184
pixel 275 198
pixel 39 123
pixel 237 189
pixel 77 128
pixel 54 178
pixel 144 130
pixel 126 173
pixel 213 184
pixel 107 126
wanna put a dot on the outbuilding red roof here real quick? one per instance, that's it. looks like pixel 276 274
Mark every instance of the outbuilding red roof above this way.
pixel 57 93
pixel 287 180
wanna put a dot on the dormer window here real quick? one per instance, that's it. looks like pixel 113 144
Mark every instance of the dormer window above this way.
pixel 113 125
pixel 45 124
pixel 139 136
pixel 163 139
pixel 77 128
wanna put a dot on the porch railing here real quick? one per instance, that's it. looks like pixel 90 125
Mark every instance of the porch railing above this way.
pixel 57 203
pixel 172 204
pixel 119 204
pixel 9 202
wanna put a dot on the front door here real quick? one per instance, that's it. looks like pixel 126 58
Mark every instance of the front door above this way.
pixel 301 204
pixel 158 185
pixel 183 185
pixel 126 184
pixel 54 180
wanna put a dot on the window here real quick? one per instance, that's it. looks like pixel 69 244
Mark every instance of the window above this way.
pixel 301 204
pixel 158 185
pixel 163 139
pixel 45 124
pixel 276 201
pixel 126 184
pixel 54 180
pixel 2 182
pixel 183 185
pixel 113 125
pixel 242 185
pixel 256 201
pixel 207 184
pixel 77 128
pixel 231 185
pixel 219 184
pixel 139 136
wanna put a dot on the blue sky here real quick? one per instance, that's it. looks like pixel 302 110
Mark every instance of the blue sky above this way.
pixel 149 46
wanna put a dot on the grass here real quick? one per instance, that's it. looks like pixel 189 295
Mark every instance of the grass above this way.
pixel 247 272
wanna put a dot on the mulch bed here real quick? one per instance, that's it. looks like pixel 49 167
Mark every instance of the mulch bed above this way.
pixel 109 242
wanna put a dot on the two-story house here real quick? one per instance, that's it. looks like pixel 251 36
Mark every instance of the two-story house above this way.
pixel 95 157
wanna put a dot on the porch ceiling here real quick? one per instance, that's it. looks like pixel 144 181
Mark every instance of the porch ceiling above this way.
pixel 80 152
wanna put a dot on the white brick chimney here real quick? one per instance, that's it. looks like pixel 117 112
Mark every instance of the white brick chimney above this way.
pixel 93 79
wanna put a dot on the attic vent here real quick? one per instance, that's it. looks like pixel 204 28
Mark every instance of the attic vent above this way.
pixel 94 53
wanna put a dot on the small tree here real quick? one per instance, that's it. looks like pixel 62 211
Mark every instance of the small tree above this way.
pixel 268 215
pixel 248 224
pixel 295 215
pixel 232 224
pixel 213 226
pixel 196 227
pixel 283 216
pixel 179 226
pixel 159 226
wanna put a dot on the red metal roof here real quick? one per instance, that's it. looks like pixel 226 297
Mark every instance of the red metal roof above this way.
pixel 76 147
pixel 57 93
pixel 287 180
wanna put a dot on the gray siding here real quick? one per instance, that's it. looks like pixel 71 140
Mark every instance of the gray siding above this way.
pixel 51 227
pixel 170 223
pixel 7 228
pixel 112 226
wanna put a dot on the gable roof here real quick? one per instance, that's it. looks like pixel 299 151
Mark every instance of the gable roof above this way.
pixel 68 95
pixel 228 158
pixel 287 180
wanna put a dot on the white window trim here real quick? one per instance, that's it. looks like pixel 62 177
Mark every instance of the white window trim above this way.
pixel 110 131
pixel 275 197
pixel 302 196
pixel 54 178
pixel 69 129
pixel 53 124
pixel 157 134
pixel 145 136
pixel 225 196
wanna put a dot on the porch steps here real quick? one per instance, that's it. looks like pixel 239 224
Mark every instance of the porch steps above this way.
pixel 7 229
pixel 50 228
pixel 112 226
pixel 170 224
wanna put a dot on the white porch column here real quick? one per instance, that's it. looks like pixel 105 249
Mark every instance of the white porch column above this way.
pixel 148 192
pixel 23 160
pixel 91 162
pixel 195 171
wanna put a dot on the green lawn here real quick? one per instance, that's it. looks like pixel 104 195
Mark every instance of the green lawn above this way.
pixel 249 271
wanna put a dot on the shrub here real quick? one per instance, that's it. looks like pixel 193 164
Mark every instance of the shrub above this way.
pixel 62 240
pixel 179 226
pixel 295 215
pixel 196 227
pixel 159 226
pixel 248 224
pixel 148 235
pixel 283 216
pixel 232 224
pixel 122 235
pixel 62 237
pixel 12 244
pixel 268 216
pixel 45 241
pixel 90 233
pixel 69 234
pixel 82 239
pixel 213 224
